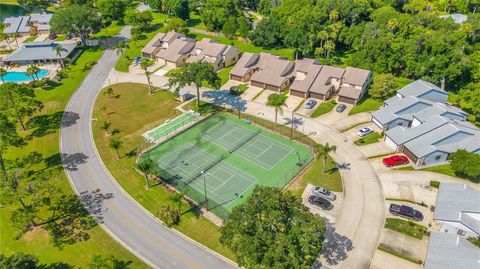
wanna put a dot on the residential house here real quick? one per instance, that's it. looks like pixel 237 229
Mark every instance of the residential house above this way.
pixel 420 124
pixel 177 53
pixel 458 209
pixel 264 70
pixel 315 80
pixel 447 251
pixel 354 85
pixel 217 54
pixel 159 41
pixel 39 52
pixel 28 25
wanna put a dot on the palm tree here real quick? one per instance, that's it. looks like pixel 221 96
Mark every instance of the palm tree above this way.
pixel 108 91
pixel 176 198
pixel 329 47
pixel 169 215
pixel 97 262
pixel 333 16
pixel 121 45
pixel 195 73
pixel 276 101
pixel 322 36
pixel 323 151
pixel 3 72
pixel 58 51
pixel 392 24
pixel 144 64
pixel 146 166
pixel 116 145
pixel 33 70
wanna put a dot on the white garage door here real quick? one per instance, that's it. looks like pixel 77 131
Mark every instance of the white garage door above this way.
pixel 390 143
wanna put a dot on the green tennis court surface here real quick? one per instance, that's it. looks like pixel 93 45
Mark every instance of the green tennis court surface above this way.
pixel 171 126
pixel 234 156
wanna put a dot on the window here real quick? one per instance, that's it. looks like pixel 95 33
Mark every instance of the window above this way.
pixel 437 157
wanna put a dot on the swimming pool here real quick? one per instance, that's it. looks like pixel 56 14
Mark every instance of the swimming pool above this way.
pixel 21 76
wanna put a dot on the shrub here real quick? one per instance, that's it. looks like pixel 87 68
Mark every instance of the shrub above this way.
pixel 38 83
pixel 435 184
pixel 89 64
pixel 238 90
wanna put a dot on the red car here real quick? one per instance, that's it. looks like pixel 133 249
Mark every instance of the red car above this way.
pixel 395 160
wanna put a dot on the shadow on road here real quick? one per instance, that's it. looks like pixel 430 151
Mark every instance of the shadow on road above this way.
pixel 93 202
pixel 71 161
pixel 336 246
pixel 224 98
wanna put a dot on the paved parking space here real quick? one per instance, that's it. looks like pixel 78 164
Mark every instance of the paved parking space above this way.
pixel 307 112
pixel 293 101
pixel 381 258
pixel 263 97
pixel 427 213
pixel 251 92
pixel 331 214
pixel 404 244
pixel 351 134
pixel 334 116
pixel 350 121
pixel 376 149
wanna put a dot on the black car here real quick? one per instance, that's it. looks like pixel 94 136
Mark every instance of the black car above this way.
pixel 340 108
pixel 406 212
pixel 319 201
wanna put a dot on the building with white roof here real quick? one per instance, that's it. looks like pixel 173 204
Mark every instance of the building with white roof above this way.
pixel 419 122
pixel 28 25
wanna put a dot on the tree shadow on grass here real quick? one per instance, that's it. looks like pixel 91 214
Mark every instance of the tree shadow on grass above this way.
pixel 47 124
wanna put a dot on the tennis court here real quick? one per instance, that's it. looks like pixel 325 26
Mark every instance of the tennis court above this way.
pixel 224 182
pixel 170 126
pixel 259 149
pixel 234 156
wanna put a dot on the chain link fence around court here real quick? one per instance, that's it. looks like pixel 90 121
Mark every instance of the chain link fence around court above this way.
pixel 193 194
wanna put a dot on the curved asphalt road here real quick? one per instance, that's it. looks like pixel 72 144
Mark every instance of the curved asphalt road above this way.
pixel 125 220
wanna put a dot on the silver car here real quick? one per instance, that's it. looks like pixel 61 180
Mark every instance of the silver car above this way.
pixel 364 131
pixel 324 193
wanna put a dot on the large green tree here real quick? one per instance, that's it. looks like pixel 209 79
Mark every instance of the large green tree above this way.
pixel 9 136
pixel 177 8
pixel 383 86
pixel 18 101
pixel 112 9
pixel 272 229
pixel 140 20
pixel 196 74
pixel 81 20
pixel 466 164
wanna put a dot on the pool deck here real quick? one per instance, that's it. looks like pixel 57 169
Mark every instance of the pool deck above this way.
pixel 51 69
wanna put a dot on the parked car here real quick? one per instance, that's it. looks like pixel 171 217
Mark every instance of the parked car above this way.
pixel 324 193
pixel 364 131
pixel 310 104
pixel 319 201
pixel 52 36
pixel 406 212
pixel 395 160
pixel 340 108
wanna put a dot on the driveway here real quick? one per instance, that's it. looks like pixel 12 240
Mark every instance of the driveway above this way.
pixel 382 258
pixel 333 116
pixel 113 209
pixel 251 93
pixel 351 121
pixel 404 244
pixel 293 102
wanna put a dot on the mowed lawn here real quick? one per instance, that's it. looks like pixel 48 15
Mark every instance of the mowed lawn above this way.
pixel 134 111
pixel 46 142
pixel 314 174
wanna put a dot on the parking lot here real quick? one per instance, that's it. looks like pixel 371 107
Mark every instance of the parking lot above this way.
pixel 330 214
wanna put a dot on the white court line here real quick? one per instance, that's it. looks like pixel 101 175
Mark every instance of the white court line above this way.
pixel 210 190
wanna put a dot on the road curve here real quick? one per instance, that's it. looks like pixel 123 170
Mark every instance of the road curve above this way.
pixel 118 214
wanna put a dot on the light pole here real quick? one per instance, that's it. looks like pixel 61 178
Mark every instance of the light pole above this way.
pixel 291 128
pixel 205 188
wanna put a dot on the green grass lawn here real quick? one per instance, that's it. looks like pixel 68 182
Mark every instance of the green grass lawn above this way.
pixel 37 241
pixel 366 105
pixel 368 139
pixel 331 179
pixel 135 47
pixel 30 39
pixel 323 108
pixel 445 169
pixel 61 38
pixel 109 31
pixel 195 21
pixel 223 74
pixel 407 227
pixel 144 111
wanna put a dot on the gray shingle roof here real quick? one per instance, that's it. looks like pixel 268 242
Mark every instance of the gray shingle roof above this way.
pixel 177 49
pixel 418 88
pixel 246 63
pixel 454 199
pixel 447 251
pixel 39 50
pixel 403 109
pixel 356 76
pixel 273 70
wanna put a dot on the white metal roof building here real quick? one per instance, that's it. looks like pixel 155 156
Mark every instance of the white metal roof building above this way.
pixel 39 52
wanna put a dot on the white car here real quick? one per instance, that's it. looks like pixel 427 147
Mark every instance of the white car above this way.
pixel 324 193
pixel 364 131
